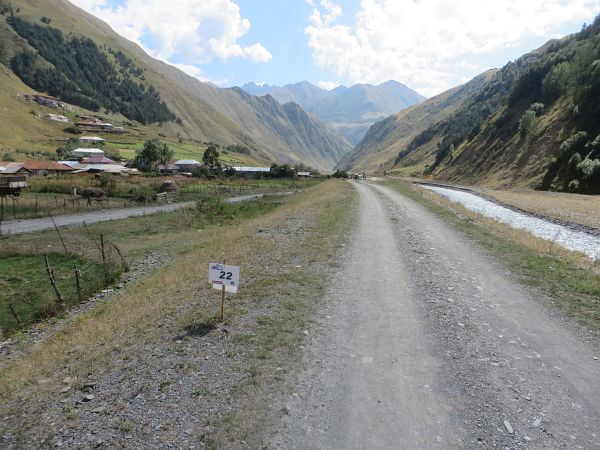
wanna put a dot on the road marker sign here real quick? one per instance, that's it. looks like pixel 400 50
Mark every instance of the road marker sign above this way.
pixel 224 277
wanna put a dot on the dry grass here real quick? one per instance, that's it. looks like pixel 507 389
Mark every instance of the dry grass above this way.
pixel 576 208
pixel 86 342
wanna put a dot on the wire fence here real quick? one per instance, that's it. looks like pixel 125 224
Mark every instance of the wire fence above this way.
pixel 44 274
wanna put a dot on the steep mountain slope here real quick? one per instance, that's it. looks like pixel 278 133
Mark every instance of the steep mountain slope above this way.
pixel 535 122
pixel 379 148
pixel 348 110
pixel 202 111
pixel 354 110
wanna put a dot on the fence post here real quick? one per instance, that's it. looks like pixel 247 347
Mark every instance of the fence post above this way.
pixel 50 273
pixel 78 282
pixel 104 258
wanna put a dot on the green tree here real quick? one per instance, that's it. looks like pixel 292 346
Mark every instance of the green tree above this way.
pixel 211 157
pixel 153 153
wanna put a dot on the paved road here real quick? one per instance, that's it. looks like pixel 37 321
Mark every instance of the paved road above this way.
pixel 427 342
pixel 31 225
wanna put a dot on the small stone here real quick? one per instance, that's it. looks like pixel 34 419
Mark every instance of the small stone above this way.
pixel 88 397
pixel 537 422
pixel 305 332
pixel 65 389
pixel 595 358
pixel 508 427
pixel 527 438
pixel 99 409
pixel 69 380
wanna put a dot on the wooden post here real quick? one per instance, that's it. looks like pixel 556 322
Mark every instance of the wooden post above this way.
pixel 36 205
pixel 223 296
pixel 78 282
pixel 58 232
pixel 14 313
pixel 14 208
pixel 50 273
pixel 103 257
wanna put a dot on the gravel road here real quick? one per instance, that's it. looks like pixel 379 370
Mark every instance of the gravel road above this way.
pixel 427 342
pixel 32 225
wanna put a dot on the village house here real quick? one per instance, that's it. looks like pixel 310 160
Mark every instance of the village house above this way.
pixel 45 100
pixel 97 159
pixel 251 170
pixel 91 139
pixel 36 168
pixel 56 118
pixel 187 165
pixel 86 152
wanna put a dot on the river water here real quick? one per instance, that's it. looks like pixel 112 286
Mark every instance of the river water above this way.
pixel 578 241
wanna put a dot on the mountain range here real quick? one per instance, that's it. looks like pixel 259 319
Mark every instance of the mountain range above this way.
pixel 349 110
pixel 126 84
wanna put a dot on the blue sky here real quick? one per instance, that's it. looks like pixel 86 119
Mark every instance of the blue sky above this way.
pixel 430 45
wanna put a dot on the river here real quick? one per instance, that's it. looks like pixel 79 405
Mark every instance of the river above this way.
pixel 578 241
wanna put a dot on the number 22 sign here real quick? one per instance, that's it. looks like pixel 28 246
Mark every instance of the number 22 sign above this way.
pixel 223 274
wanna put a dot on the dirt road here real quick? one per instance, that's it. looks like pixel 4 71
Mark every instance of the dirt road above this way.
pixel 427 342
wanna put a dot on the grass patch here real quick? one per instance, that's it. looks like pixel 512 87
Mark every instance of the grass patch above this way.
pixel 570 279
pixel 26 295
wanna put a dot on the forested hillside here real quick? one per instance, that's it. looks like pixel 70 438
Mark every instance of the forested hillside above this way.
pixel 535 122
pixel 81 74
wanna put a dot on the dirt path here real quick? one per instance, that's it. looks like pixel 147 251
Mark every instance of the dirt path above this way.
pixel 429 343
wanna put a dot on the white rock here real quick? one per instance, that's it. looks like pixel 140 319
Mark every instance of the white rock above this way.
pixel 508 427
pixel 537 422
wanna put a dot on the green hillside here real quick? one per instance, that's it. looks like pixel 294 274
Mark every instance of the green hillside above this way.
pixel 535 122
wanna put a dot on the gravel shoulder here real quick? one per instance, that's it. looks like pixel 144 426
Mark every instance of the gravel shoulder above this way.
pixel 431 343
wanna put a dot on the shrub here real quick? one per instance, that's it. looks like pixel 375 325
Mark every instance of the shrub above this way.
pixel 528 124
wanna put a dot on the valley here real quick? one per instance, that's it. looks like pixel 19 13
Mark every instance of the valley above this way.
pixel 415 271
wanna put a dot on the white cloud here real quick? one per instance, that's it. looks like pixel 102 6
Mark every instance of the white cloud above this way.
pixel 188 30
pixel 422 43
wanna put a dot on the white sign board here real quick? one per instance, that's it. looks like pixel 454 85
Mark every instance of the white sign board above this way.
pixel 220 275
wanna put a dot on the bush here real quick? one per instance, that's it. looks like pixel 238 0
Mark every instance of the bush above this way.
pixel 72 129
pixel 340 174
pixel 528 124
pixel 574 185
